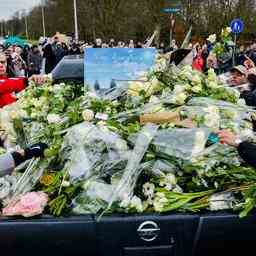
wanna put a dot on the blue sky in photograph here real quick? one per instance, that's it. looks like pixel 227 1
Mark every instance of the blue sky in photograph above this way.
pixel 104 65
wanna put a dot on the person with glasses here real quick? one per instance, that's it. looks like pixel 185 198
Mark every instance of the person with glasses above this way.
pixel 10 85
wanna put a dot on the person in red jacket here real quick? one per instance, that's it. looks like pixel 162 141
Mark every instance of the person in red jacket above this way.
pixel 9 86
pixel 198 62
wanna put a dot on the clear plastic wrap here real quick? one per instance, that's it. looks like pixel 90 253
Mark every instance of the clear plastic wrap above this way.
pixel 129 178
pixel 28 180
pixel 161 167
pixel 205 102
pixel 96 196
pixel 92 150
pixel 185 144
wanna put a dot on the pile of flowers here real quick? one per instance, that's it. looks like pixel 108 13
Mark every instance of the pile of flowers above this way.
pixel 118 152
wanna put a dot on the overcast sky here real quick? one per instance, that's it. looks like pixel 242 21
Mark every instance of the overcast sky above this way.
pixel 9 7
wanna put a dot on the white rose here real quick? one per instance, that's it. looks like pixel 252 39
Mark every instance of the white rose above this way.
pixel 53 118
pixel 88 115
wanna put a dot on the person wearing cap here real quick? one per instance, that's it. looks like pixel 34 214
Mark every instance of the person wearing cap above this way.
pixel 238 76
pixel 246 150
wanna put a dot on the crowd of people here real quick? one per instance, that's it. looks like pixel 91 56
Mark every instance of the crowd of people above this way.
pixel 25 61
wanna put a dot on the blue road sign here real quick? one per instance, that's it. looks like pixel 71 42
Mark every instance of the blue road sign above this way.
pixel 171 10
pixel 237 26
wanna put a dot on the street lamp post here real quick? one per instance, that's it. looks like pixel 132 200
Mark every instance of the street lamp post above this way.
pixel 26 24
pixel 76 22
pixel 43 19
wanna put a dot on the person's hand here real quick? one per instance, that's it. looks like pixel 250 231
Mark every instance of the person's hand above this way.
pixel 228 137
pixel 248 63
pixel 39 79
pixel 36 150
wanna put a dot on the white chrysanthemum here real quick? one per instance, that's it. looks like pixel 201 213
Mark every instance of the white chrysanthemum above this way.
pixel 148 189
pixel 88 115
pixel 53 118
pixel 212 38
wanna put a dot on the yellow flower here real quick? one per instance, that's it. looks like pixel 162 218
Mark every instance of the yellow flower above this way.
pixel 47 180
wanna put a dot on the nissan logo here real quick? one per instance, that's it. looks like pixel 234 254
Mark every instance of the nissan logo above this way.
pixel 148 231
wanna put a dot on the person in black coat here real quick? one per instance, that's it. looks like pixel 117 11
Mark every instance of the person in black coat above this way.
pixel 50 58
pixel 74 50
pixel 249 95
pixel 246 150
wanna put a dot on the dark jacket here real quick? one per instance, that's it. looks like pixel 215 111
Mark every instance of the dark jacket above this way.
pixel 50 58
pixel 249 97
pixel 34 63
pixel 247 152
